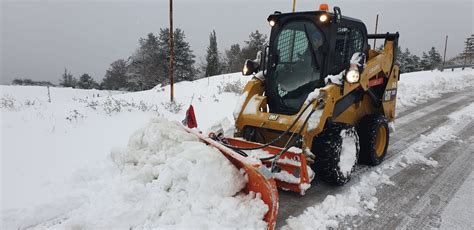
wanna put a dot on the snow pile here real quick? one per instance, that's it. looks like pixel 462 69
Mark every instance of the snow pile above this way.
pixel 167 178
pixel 417 87
pixel 335 207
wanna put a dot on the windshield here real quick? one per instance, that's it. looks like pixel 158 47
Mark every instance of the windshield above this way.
pixel 297 69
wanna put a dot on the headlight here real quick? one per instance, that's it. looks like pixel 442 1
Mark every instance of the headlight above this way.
pixel 245 71
pixel 352 76
pixel 323 18
pixel 272 23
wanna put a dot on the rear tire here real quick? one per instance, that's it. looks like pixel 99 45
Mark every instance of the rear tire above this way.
pixel 374 138
pixel 336 150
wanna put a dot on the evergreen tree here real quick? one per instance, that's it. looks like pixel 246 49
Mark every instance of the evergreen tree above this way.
pixel 425 63
pixel 213 66
pixel 87 82
pixel 435 58
pixel 67 80
pixel 468 52
pixel 403 59
pixel 257 42
pixel 235 59
pixel 146 69
pixel 184 69
pixel 414 64
pixel 116 76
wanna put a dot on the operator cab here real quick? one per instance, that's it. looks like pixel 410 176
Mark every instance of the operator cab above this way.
pixel 304 48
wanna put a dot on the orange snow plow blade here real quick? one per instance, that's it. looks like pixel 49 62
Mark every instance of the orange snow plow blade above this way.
pixel 294 173
pixel 259 177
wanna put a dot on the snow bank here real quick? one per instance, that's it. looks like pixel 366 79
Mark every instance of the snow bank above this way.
pixel 166 178
pixel 417 87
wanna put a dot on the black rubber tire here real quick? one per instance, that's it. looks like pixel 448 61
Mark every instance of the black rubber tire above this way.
pixel 327 148
pixel 367 130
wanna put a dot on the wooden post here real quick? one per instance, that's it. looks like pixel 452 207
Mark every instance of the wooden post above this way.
pixel 171 42
pixel 376 24
pixel 445 47
pixel 294 6
pixel 49 95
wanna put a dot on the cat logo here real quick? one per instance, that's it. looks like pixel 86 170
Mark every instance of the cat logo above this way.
pixel 273 117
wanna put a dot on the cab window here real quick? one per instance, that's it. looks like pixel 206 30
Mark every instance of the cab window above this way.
pixel 348 41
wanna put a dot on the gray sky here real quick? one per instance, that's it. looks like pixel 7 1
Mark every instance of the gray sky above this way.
pixel 39 38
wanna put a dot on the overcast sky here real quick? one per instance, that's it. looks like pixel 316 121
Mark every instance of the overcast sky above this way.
pixel 40 38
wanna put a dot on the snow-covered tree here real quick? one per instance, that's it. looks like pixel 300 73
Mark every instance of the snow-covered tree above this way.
pixel 235 59
pixel 213 65
pixel 435 58
pixel 147 64
pixel 87 82
pixel 425 63
pixel 468 52
pixel 116 76
pixel 184 69
pixel 257 42
pixel 67 80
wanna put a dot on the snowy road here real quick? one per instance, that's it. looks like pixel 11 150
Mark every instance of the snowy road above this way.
pixel 420 193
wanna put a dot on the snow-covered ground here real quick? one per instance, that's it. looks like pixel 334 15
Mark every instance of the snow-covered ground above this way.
pixel 61 167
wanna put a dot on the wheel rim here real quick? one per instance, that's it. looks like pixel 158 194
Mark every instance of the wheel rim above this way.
pixel 380 141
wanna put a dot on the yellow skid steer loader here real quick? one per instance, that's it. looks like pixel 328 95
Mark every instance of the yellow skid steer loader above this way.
pixel 319 103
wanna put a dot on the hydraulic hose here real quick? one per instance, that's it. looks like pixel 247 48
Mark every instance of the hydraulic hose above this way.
pixel 279 137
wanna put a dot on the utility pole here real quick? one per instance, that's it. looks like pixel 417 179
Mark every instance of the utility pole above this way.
pixel 294 5
pixel 171 42
pixel 445 47
pixel 376 24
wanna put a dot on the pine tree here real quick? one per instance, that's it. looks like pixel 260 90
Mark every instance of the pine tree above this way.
pixel 257 42
pixel 87 82
pixel 235 59
pixel 116 77
pixel 425 63
pixel 213 66
pixel 403 59
pixel 435 58
pixel 68 80
pixel 415 63
pixel 146 69
pixel 184 69
pixel 468 52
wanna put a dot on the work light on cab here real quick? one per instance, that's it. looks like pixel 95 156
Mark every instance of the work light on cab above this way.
pixel 272 23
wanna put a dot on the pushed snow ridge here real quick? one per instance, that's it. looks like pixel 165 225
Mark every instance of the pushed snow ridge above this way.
pixel 166 178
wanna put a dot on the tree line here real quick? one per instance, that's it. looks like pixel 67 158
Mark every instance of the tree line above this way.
pixel 408 62
pixel 148 66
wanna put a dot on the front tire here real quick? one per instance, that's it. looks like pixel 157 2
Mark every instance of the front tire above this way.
pixel 336 150
pixel 374 138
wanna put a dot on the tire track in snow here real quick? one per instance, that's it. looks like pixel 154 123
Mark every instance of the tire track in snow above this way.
pixel 412 123
pixel 420 195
